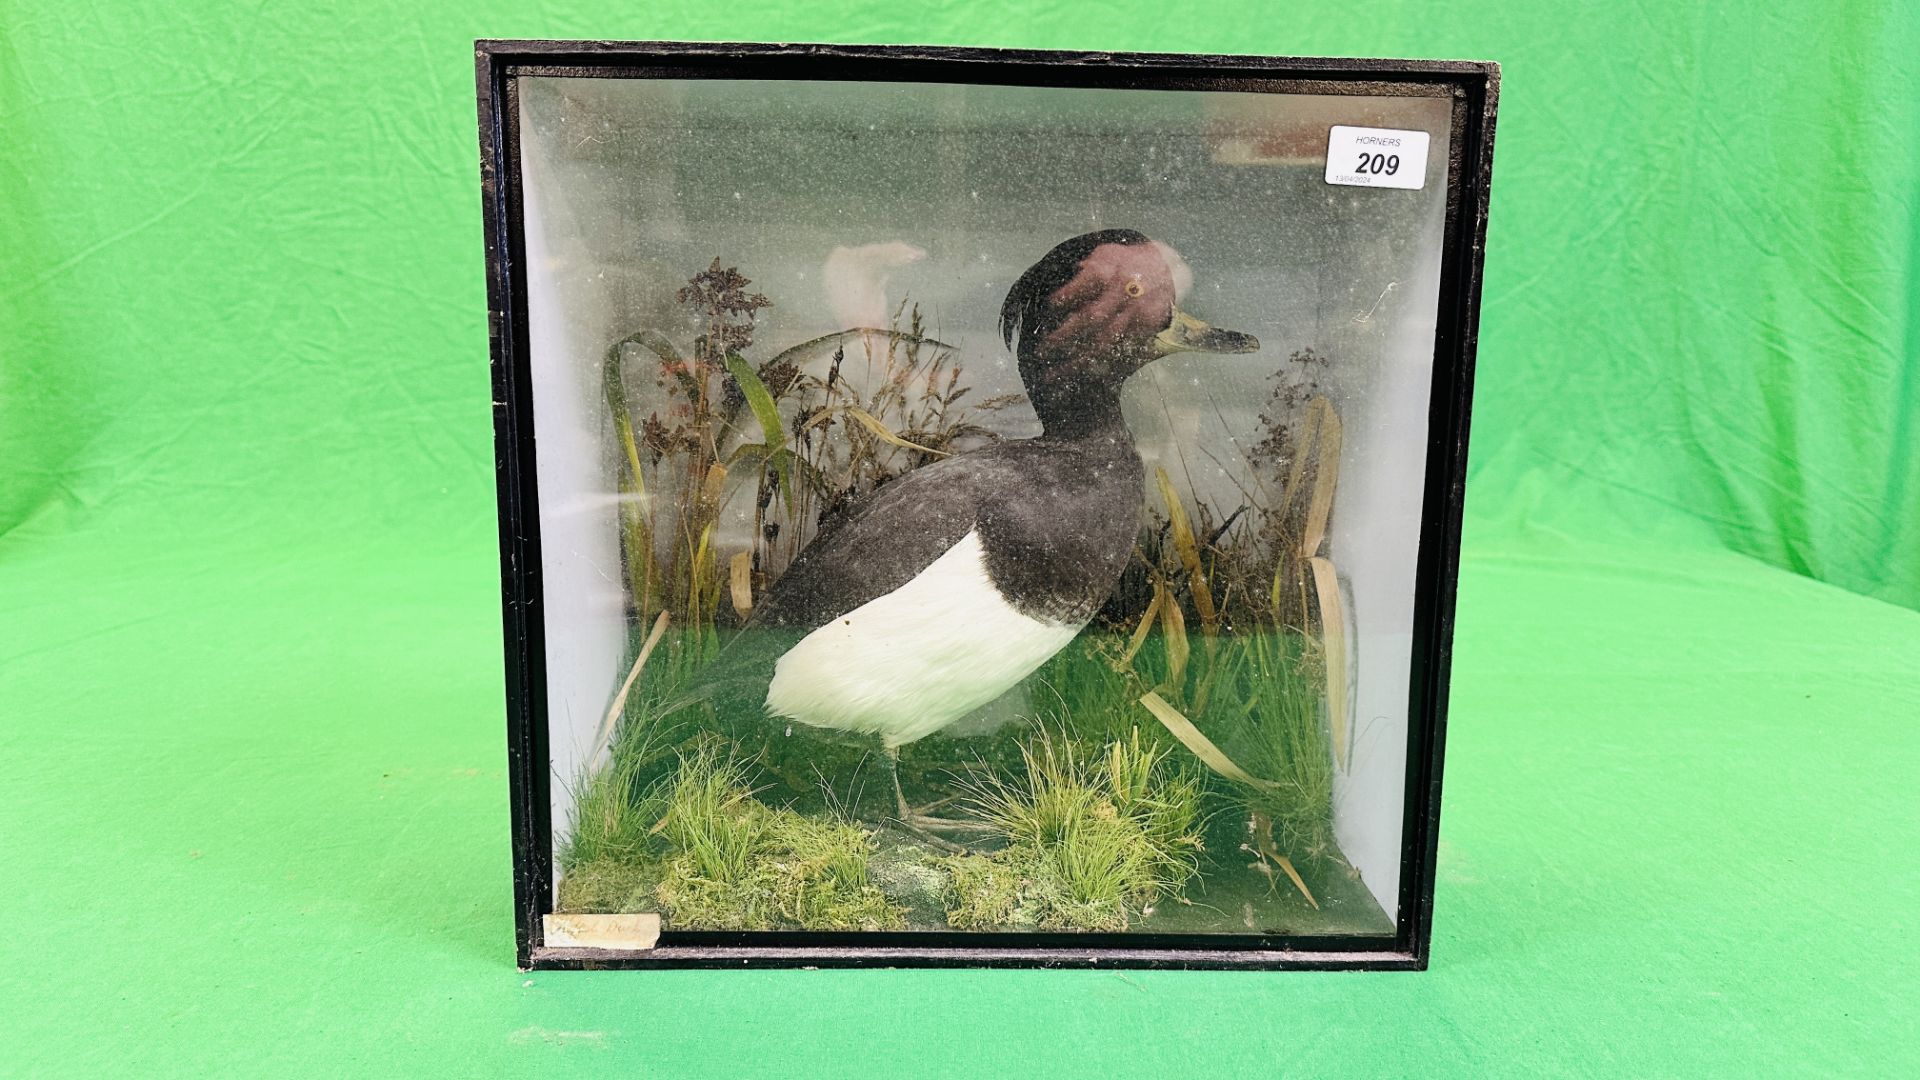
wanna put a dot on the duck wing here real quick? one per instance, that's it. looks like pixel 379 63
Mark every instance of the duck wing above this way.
pixel 887 539
pixel 876 547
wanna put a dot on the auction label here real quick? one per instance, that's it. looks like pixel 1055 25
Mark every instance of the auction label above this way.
pixel 1377 157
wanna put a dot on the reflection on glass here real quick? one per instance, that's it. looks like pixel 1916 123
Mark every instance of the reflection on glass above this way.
pixel 980 508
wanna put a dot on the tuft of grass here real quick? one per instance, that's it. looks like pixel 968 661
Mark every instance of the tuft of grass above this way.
pixel 1092 839
pixel 616 805
pixel 710 818
pixel 821 875
pixel 1261 706
pixel 1265 686
pixel 613 810
pixel 734 863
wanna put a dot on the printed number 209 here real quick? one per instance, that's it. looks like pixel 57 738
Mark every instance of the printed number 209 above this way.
pixel 1378 164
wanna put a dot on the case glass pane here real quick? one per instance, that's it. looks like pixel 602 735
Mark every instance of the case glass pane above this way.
pixel 980 507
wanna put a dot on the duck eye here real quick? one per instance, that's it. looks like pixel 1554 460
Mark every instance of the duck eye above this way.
pixel 1134 288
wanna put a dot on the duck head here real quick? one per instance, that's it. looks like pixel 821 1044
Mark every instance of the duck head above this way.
pixel 1093 311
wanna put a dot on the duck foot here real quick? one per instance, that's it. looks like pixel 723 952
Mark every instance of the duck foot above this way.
pixel 909 816
pixel 934 840
pixel 923 825
pixel 924 828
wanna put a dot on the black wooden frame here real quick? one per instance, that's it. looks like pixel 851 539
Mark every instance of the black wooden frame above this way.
pixel 1474 88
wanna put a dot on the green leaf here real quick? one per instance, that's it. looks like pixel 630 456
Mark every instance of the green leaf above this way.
pixel 782 460
pixel 821 346
pixel 767 412
pixel 764 409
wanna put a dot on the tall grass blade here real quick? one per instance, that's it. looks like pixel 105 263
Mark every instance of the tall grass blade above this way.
pixel 638 538
pixel 817 347
pixel 1307 437
pixel 759 398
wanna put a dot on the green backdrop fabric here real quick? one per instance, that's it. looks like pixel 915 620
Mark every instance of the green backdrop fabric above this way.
pixel 251 764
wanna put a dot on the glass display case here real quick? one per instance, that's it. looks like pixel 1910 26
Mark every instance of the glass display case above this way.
pixel 976 507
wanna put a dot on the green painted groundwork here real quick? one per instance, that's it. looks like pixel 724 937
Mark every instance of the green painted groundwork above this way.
pixel 251 759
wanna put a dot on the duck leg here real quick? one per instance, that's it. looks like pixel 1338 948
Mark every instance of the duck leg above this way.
pixel 923 825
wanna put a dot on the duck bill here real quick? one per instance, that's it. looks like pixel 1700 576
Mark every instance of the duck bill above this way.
pixel 1188 334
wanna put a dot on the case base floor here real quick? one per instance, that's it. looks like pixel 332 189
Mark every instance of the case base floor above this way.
pixel 256 825
pixel 1231 895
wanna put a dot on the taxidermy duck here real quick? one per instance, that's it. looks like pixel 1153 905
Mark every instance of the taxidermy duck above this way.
pixel 950 584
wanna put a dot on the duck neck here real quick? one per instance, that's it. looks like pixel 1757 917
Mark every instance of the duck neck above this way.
pixel 1079 400
pixel 1086 414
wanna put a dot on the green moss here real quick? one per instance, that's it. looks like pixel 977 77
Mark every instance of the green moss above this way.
pixel 997 892
pixel 790 871
pixel 608 885
pixel 1093 840
pixel 700 848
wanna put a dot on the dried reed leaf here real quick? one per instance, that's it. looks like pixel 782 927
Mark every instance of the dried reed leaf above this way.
pixel 1263 843
pixel 740 582
pixel 1203 748
pixel 619 706
pixel 713 483
pixel 885 434
pixel 1274 594
pixel 1173 624
pixel 1333 650
pixel 1326 474
pixel 1140 632
pixel 1294 876
pixel 1189 549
